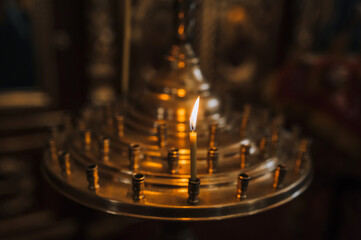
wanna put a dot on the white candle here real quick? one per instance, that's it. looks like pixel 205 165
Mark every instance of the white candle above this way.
pixel 193 140
pixel 193 148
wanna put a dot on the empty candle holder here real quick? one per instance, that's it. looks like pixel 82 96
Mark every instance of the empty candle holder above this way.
pixel 212 159
pixel 173 158
pixel 92 177
pixel 138 186
pixel 279 175
pixel 134 156
pixel 64 163
pixel 242 186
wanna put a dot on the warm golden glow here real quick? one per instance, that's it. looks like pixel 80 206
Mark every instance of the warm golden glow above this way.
pixel 181 92
pixel 164 97
pixel 237 14
pixel 193 118
pixel 181 29
pixel 181 127
pixel 181 115
pixel 181 64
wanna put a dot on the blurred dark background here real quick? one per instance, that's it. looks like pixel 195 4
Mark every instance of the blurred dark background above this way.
pixel 298 57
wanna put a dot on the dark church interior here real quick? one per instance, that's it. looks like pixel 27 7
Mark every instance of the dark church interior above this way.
pixel 298 59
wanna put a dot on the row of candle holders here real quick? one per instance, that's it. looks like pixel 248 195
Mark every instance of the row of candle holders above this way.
pixel 138 179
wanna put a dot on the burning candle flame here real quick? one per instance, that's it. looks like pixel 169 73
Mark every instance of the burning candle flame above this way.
pixel 193 118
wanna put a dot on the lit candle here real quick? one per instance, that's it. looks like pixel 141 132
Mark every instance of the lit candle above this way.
pixel 193 140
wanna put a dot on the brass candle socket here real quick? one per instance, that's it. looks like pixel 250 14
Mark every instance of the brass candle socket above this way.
pixel 92 177
pixel 245 119
pixel 243 181
pixel 162 134
pixel 138 186
pixel 263 147
pixel 213 128
pixel 53 148
pixel 134 156
pixel 279 175
pixel 119 119
pixel 104 149
pixel 86 139
pixel 193 191
pixel 212 159
pixel 302 154
pixel 64 163
pixel 244 153
pixel 173 158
